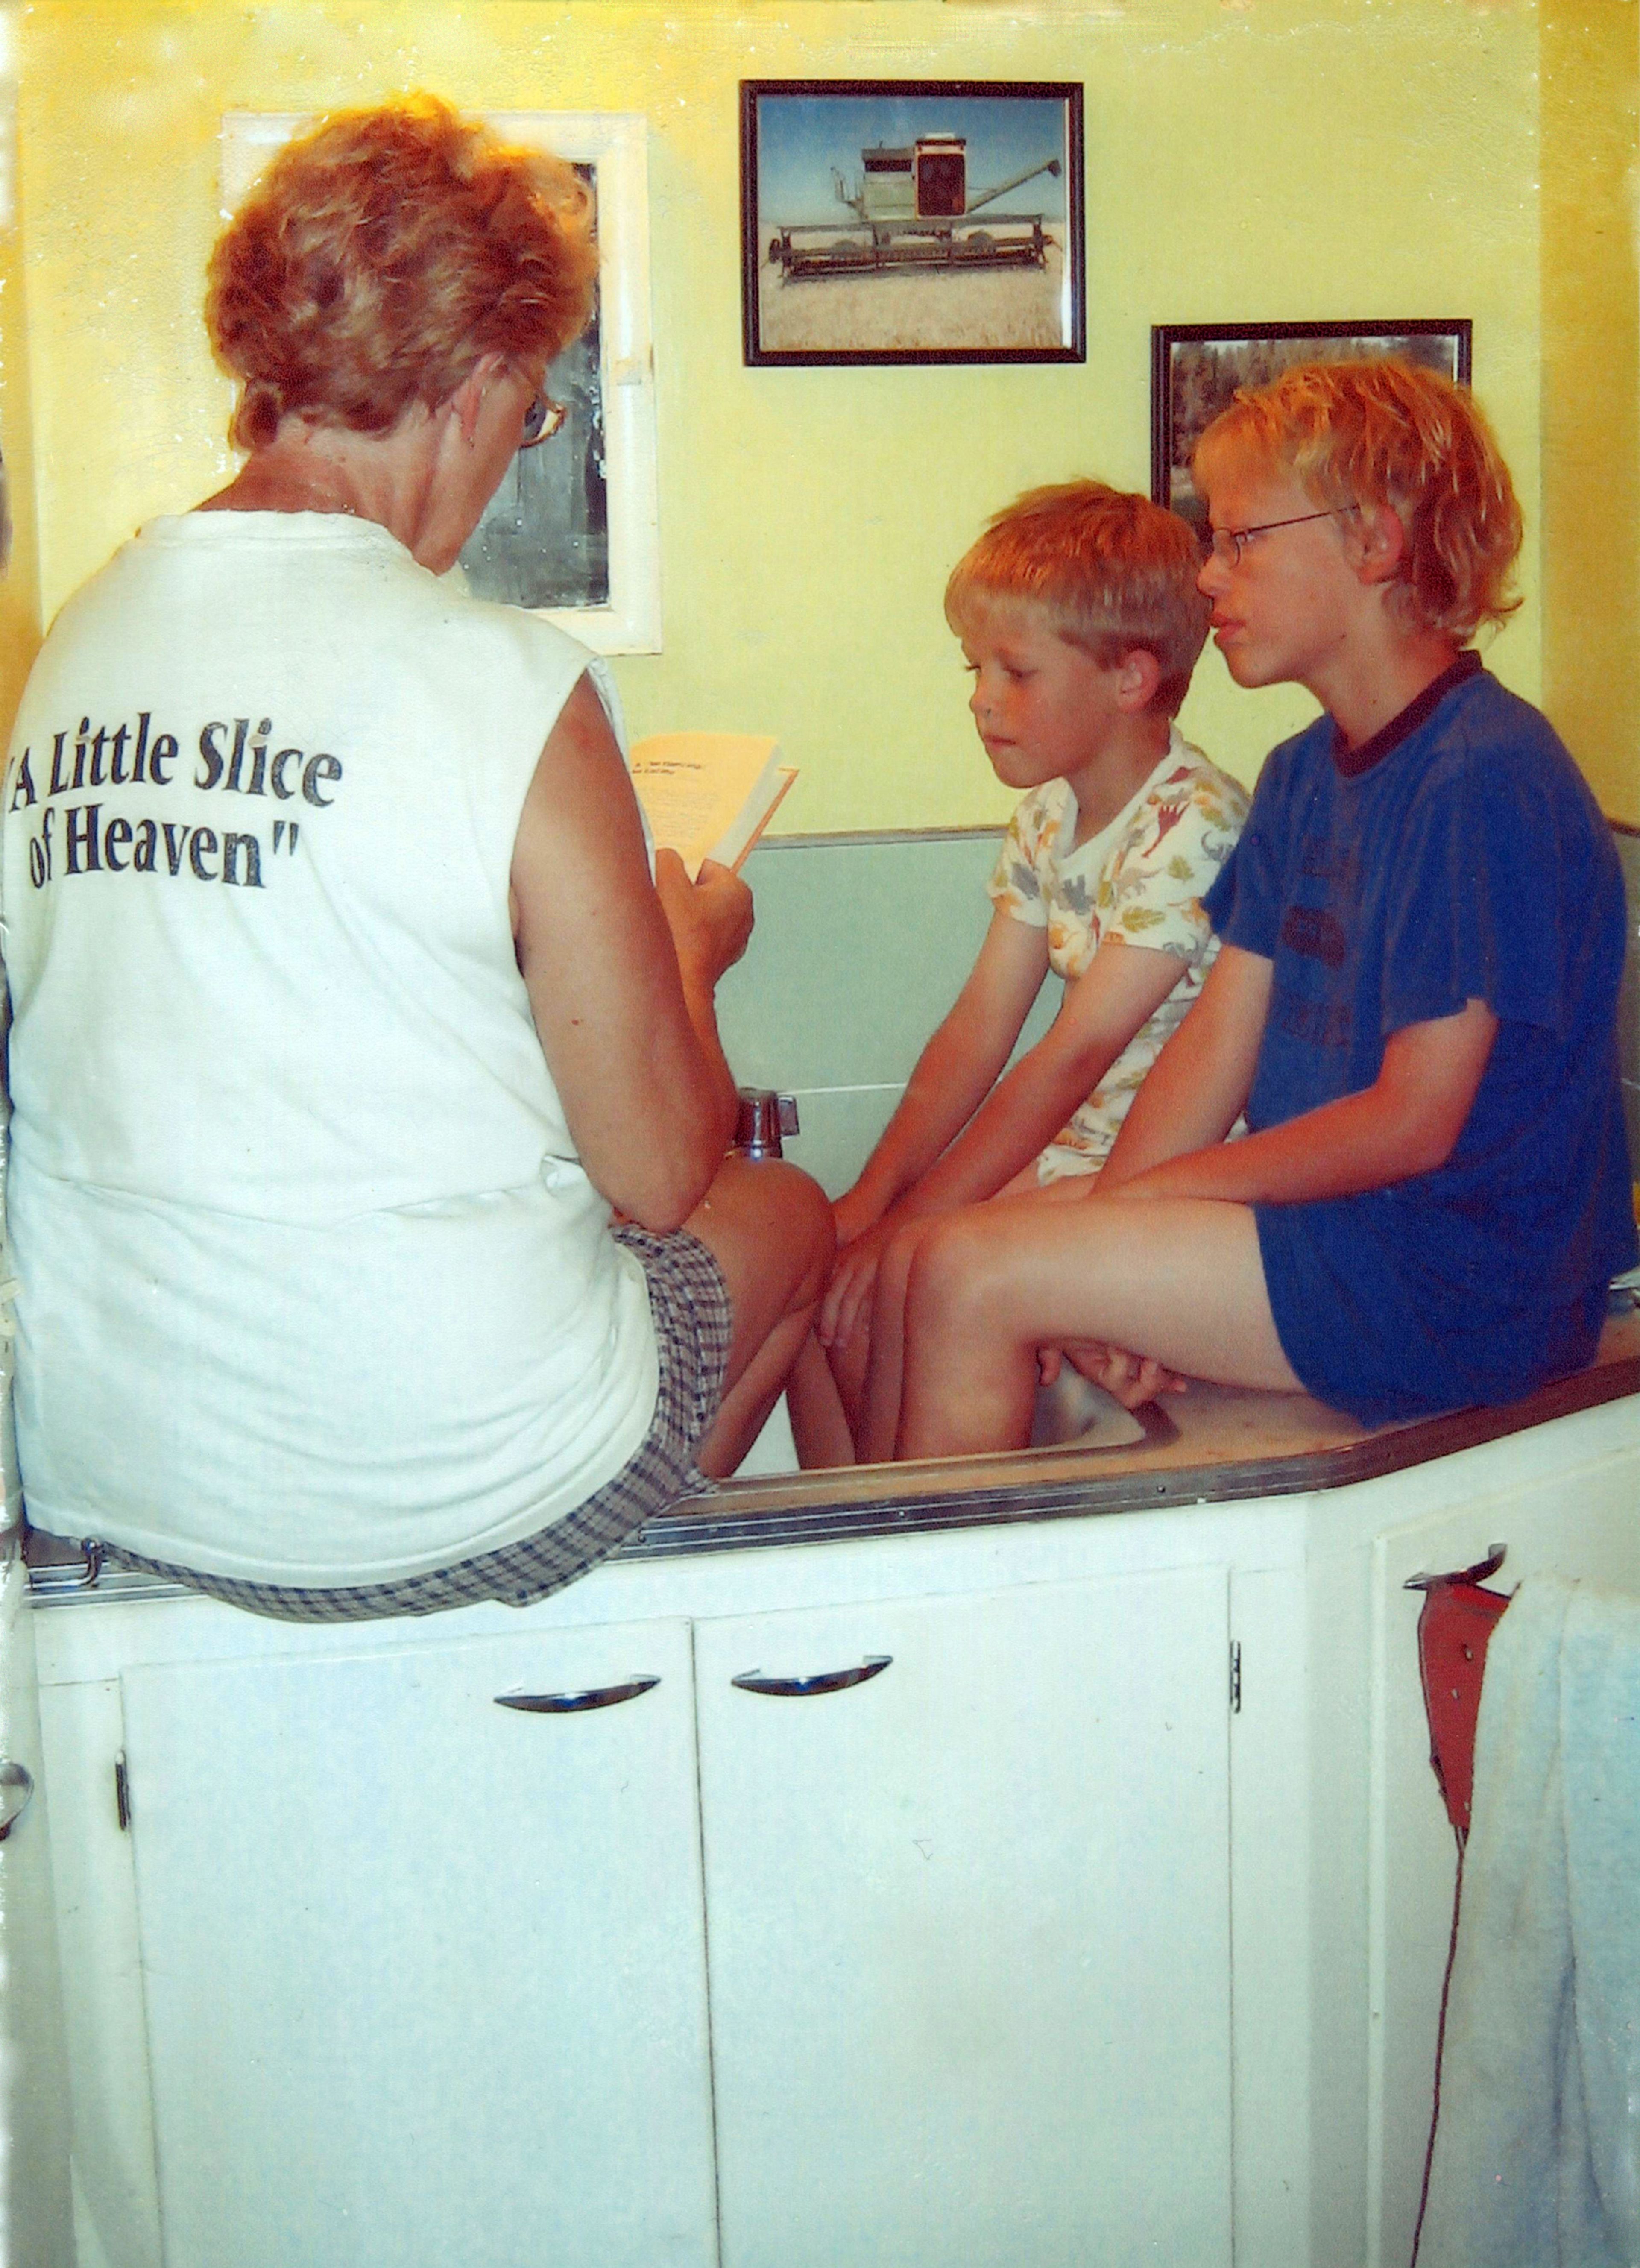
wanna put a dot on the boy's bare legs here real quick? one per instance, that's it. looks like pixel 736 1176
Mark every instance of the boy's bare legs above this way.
pixel 834 1390
pixel 846 1360
pixel 877 1430
pixel 820 1429
pixel 879 1415
pixel 1177 1280
pixel 769 1228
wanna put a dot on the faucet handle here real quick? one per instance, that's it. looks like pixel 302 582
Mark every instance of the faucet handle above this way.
pixel 764 1117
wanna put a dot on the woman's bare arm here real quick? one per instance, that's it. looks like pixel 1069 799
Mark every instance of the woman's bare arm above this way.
pixel 622 995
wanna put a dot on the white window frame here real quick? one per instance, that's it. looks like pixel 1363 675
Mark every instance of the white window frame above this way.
pixel 615 142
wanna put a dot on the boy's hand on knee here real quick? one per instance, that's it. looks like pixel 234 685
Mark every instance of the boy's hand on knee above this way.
pixel 853 1281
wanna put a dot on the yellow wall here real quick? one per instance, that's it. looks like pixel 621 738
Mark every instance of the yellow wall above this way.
pixel 1257 159
pixel 1591 63
pixel 19 588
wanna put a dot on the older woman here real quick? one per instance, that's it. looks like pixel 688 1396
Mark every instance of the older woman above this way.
pixel 345 1008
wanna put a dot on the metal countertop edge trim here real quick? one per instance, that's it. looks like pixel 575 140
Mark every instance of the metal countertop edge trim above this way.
pixel 704 1524
pixel 698 1525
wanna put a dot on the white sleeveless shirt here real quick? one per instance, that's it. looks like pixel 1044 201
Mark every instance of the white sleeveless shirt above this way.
pixel 314 1289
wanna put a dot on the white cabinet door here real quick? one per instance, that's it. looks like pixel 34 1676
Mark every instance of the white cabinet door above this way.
pixel 969 1940
pixel 35 2216
pixel 424 1975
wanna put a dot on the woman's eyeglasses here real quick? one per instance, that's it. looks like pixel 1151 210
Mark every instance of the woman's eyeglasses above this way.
pixel 542 420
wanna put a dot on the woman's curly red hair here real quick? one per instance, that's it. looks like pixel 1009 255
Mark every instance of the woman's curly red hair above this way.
pixel 382 256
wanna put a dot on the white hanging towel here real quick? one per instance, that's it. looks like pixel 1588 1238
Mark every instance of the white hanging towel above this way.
pixel 1537 2153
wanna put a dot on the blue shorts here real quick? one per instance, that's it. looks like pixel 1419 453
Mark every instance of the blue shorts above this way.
pixel 1393 1343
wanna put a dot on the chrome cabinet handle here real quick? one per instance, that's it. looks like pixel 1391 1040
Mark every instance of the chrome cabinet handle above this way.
pixel 17 1785
pixel 564 1705
pixel 827 1681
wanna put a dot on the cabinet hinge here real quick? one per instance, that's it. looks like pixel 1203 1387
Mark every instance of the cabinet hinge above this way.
pixel 122 1792
pixel 1235 1676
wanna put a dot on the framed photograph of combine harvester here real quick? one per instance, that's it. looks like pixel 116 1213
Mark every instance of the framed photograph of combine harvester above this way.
pixel 911 220
pixel 1196 367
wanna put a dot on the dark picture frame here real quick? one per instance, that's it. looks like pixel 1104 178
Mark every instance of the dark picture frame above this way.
pixel 911 221
pixel 1196 367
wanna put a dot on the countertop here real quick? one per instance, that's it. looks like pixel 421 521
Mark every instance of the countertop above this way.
pixel 1210 1445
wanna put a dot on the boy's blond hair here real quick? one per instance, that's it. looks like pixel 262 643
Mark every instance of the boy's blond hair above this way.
pixel 1382 433
pixel 1110 570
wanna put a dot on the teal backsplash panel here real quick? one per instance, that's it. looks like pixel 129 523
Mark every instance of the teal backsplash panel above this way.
pixel 861 946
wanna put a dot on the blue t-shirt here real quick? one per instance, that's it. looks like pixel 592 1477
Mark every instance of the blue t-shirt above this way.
pixel 1466 861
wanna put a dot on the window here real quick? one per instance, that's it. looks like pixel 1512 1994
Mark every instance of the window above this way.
pixel 572 533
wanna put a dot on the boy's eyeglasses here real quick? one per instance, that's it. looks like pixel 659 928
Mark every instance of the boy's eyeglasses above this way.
pixel 542 420
pixel 1227 544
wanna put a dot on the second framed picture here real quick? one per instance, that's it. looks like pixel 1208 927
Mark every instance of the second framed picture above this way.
pixel 1196 367
pixel 911 221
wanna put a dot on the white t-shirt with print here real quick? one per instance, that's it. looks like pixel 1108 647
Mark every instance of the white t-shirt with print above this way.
pixel 316 1288
pixel 1140 880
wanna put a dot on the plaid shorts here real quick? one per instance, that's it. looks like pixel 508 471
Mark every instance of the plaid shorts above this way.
pixel 689 1304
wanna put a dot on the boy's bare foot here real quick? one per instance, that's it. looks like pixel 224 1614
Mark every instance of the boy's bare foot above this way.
pixel 1129 1379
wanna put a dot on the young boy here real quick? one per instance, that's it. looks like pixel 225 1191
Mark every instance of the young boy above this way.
pixel 1081 623
pixel 1422 936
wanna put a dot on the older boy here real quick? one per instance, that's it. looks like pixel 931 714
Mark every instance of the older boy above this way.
pixel 1080 621
pixel 1422 933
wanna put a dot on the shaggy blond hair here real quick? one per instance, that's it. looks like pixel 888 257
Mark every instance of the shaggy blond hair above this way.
pixel 1381 432
pixel 382 256
pixel 1111 572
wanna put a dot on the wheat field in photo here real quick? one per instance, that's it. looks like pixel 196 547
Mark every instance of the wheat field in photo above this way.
pixel 909 309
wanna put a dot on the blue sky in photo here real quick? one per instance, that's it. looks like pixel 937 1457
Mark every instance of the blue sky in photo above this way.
pixel 801 137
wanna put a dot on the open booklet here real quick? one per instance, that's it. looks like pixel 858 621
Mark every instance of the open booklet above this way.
pixel 709 795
